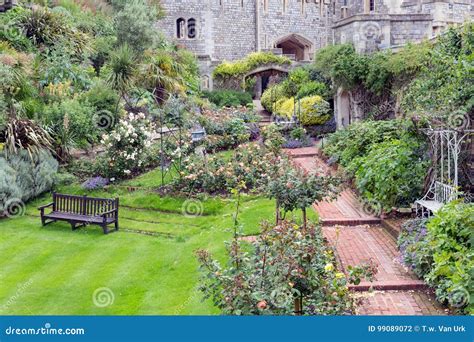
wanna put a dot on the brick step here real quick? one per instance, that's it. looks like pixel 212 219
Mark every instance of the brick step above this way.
pixel 419 302
pixel 391 228
pixel 350 222
pixel 307 154
pixel 390 285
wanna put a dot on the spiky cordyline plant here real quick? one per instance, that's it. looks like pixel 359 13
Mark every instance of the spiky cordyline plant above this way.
pixel 26 135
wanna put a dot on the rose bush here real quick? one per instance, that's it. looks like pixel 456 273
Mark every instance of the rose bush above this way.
pixel 251 164
pixel 126 145
pixel 286 272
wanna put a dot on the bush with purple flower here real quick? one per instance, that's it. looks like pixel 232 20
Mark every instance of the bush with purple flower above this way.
pixel 412 232
pixel 95 183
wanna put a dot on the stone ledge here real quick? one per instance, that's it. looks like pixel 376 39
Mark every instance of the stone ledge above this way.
pixel 382 17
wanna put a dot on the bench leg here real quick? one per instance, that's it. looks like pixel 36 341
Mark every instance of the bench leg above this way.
pixel 116 225
pixel 106 230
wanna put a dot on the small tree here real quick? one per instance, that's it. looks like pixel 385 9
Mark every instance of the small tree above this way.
pixel 284 267
pixel 294 188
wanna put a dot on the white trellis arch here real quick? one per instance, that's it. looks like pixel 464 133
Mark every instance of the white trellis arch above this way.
pixel 446 145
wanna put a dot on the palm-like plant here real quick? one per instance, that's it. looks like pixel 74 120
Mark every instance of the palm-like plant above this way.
pixel 162 74
pixel 123 65
pixel 25 135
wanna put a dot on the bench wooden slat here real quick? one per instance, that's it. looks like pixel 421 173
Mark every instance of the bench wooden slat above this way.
pixel 82 209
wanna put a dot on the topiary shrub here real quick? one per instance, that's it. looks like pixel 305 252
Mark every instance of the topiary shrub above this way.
pixel 312 110
pixel 272 94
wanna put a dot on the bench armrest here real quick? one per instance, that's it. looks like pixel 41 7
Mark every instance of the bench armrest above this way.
pixel 108 212
pixel 45 206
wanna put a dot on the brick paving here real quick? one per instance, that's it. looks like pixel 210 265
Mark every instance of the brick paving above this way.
pixel 358 237
pixel 398 303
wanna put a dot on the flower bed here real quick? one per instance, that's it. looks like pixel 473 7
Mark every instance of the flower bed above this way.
pixel 440 251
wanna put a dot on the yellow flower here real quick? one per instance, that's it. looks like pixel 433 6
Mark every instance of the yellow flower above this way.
pixel 329 267
pixel 1 146
pixel 339 275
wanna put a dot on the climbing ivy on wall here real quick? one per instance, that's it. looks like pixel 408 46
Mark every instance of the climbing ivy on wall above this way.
pixel 239 68
pixel 429 80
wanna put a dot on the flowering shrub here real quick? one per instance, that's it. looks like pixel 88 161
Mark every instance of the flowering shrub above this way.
pixel 297 138
pixel 126 145
pixel 250 164
pixel 95 183
pixel 412 232
pixel 228 127
pixel 441 252
pixel 254 282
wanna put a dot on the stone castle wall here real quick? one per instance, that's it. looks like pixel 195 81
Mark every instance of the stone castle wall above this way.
pixel 231 29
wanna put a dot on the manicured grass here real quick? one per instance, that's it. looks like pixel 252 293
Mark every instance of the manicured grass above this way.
pixel 55 271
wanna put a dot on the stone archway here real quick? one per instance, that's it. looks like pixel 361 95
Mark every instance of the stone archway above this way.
pixel 262 75
pixel 296 47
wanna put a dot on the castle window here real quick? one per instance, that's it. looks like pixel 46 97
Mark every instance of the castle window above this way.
pixel 285 5
pixel 265 5
pixel 180 28
pixel 302 6
pixel 192 28
pixel 369 6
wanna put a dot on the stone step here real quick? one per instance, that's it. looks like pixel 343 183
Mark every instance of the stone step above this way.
pixel 390 285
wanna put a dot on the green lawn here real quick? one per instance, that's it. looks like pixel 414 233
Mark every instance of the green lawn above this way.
pixel 55 271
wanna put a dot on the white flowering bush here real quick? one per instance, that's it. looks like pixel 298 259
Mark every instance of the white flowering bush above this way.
pixel 126 146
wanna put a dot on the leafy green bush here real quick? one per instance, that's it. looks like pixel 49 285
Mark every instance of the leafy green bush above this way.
pixel 387 159
pixel 392 173
pixel 312 88
pixel 295 80
pixel 103 100
pixel 72 117
pixel 64 178
pixel 311 110
pixel 444 257
pixel 354 141
pixel 228 98
pixel 272 94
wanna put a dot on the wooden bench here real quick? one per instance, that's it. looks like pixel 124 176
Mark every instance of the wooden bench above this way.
pixel 438 195
pixel 81 211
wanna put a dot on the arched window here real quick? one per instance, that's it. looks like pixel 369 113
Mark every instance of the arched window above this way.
pixel 180 28
pixel 192 28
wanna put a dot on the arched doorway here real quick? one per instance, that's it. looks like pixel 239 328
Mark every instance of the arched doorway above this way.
pixel 296 47
pixel 263 75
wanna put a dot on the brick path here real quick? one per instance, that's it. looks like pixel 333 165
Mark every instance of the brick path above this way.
pixel 358 237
